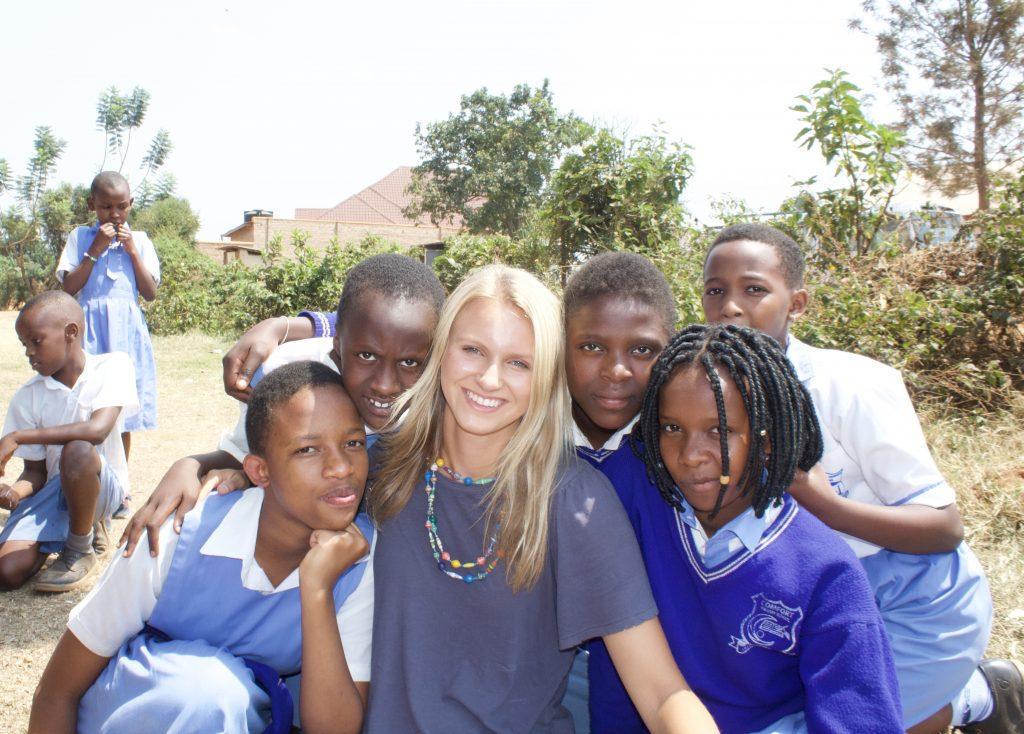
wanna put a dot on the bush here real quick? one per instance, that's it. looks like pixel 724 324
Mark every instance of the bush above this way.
pixel 171 217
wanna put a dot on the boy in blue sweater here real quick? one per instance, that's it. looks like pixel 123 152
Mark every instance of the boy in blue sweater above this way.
pixel 767 612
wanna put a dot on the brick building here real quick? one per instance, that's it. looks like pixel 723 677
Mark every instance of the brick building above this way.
pixel 376 210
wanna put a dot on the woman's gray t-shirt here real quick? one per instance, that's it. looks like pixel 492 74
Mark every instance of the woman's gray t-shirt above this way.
pixel 455 657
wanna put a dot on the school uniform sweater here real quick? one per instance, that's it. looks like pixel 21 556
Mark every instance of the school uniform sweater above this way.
pixel 787 626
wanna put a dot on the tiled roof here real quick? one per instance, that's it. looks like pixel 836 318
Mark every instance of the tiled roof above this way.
pixel 379 203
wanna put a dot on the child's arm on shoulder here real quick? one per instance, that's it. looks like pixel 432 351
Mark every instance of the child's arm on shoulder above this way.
pixel 255 345
pixel 71 670
pixel 907 528
pixel 650 675
pixel 330 701
pixel 30 481
pixel 144 279
pixel 188 480
pixel 94 430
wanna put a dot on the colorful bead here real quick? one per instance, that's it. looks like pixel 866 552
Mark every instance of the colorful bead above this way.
pixel 445 563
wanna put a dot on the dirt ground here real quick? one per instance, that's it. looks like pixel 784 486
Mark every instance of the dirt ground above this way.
pixel 193 410
pixel 984 461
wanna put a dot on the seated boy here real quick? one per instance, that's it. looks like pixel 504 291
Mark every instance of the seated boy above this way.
pixel 258 584
pixel 66 424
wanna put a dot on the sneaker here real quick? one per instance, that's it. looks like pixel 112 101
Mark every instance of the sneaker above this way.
pixel 100 537
pixel 123 512
pixel 69 571
pixel 1006 680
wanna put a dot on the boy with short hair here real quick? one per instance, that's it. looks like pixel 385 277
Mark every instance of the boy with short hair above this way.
pixel 258 585
pixel 65 423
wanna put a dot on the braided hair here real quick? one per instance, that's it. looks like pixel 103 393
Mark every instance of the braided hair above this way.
pixel 779 408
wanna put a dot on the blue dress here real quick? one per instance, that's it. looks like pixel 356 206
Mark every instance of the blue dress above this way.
pixel 213 652
pixel 113 320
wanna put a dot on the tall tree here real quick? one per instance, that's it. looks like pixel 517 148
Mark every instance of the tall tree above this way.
pixel 117 115
pixel 956 68
pixel 491 163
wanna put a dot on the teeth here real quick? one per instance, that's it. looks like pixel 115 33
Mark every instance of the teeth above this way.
pixel 379 404
pixel 481 400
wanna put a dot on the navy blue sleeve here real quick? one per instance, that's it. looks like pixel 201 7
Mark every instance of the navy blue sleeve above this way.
pixel 600 578
pixel 325 323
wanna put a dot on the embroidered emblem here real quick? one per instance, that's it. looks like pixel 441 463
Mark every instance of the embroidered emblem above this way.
pixel 770 624
pixel 835 478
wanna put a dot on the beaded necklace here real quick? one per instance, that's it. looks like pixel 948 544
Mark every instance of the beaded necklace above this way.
pixel 467 571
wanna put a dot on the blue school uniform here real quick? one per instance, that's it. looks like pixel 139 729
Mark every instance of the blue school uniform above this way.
pixel 113 320
pixel 213 652
pixel 773 625
pixel 936 607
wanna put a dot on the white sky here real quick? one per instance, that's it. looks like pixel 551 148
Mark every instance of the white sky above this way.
pixel 301 104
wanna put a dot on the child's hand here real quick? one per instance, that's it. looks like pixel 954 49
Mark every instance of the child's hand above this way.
pixel 810 486
pixel 124 236
pixel 8 445
pixel 106 235
pixel 331 553
pixel 225 481
pixel 9 499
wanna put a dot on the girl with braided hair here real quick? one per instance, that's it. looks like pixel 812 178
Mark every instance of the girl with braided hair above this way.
pixel 767 612
pixel 884 493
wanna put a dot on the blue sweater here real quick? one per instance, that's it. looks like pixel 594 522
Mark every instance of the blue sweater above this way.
pixel 790 626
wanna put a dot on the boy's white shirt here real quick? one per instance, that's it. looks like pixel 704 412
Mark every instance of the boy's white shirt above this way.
pixel 315 350
pixel 122 602
pixel 107 381
pixel 613 442
pixel 70 259
pixel 874 448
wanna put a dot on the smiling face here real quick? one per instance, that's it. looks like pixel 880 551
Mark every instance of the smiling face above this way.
pixel 383 346
pixel 611 344
pixel 486 373
pixel 690 446
pixel 744 285
pixel 111 204
pixel 47 338
pixel 314 466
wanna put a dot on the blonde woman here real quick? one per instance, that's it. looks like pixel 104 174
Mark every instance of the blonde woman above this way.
pixel 498 550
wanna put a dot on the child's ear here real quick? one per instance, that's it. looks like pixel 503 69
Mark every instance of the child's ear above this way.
pixel 256 469
pixel 798 303
pixel 71 331
pixel 91 204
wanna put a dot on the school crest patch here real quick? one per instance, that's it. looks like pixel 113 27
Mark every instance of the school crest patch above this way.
pixel 770 624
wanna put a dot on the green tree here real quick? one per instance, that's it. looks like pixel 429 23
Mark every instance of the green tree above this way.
pixel 169 216
pixel 616 193
pixel 956 69
pixel 866 154
pixel 490 164
pixel 117 115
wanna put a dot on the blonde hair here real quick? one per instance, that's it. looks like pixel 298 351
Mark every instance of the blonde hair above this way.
pixel 528 466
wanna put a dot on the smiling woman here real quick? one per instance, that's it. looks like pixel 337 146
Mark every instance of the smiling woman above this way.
pixel 484 514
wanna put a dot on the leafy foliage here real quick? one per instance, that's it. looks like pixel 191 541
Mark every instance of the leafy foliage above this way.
pixel 957 72
pixel 490 163
pixel 168 216
pixel 617 194
pixel 866 154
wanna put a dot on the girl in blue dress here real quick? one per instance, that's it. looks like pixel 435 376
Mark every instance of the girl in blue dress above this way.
pixel 107 266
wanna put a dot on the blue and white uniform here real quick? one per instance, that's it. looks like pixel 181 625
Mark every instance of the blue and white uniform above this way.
pixel 936 607
pixel 198 636
pixel 771 620
pixel 113 320
pixel 107 381
pixel 313 350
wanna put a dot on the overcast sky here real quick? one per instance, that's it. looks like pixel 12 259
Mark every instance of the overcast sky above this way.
pixel 301 104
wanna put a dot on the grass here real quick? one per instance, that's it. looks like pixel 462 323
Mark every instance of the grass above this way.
pixel 982 458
